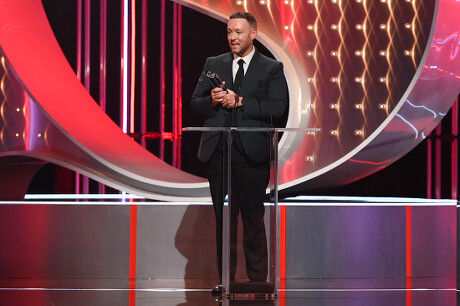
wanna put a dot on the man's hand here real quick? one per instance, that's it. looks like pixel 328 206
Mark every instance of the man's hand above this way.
pixel 227 99
pixel 231 100
pixel 217 95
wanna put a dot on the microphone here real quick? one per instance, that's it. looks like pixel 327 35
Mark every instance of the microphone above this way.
pixel 259 97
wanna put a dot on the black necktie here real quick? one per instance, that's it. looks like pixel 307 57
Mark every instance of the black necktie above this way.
pixel 239 77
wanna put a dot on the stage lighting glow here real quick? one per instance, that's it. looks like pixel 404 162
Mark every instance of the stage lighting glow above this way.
pixel 334 80
pixel 309 158
pixel 333 132
pixel 409 124
pixel 333 106
pixel 422 107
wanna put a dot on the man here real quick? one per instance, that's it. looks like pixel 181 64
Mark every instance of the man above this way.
pixel 256 93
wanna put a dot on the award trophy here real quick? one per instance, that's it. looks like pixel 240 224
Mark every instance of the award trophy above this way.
pixel 215 80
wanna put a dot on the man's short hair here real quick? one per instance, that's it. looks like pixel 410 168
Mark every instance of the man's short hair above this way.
pixel 245 15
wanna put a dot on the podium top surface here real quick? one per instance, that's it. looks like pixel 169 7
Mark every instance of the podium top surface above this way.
pixel 246 129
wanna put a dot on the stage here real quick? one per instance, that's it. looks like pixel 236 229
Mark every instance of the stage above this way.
pixel 126 250
pixel 169 292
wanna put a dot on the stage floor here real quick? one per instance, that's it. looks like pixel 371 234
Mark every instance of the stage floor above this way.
pixel 76 251
pixel 197 292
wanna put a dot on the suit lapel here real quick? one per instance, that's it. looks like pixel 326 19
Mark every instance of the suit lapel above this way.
pixel 226 73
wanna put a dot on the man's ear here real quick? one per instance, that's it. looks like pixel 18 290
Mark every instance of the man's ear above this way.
pixel 254 33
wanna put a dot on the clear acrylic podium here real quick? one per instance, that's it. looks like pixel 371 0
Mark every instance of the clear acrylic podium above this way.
pixel 248 290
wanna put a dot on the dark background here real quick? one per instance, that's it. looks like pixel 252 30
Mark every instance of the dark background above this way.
pixel 202 36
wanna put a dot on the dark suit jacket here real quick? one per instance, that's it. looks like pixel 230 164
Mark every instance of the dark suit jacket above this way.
pixel 264 83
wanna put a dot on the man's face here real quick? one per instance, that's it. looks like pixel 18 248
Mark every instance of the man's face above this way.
pixel 240 36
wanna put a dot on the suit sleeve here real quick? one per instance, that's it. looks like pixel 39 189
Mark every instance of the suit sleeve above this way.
pixel 201 102
pixel 271 99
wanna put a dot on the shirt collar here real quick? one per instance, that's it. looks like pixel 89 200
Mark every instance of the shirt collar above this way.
pixel 247 59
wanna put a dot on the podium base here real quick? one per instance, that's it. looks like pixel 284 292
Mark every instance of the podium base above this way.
pixel 250 291
pixel 251 287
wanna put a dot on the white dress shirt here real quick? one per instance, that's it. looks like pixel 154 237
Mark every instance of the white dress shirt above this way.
pixel 246 59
